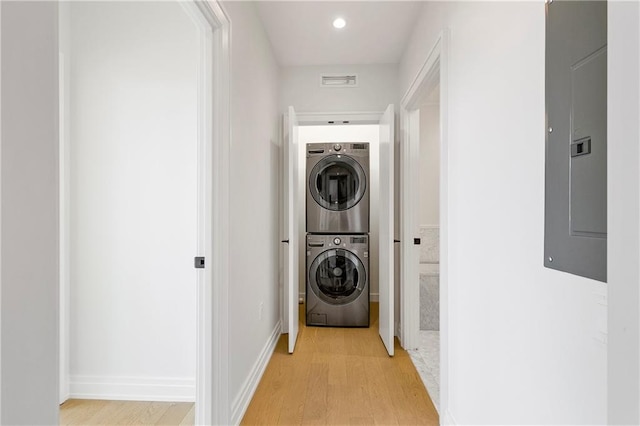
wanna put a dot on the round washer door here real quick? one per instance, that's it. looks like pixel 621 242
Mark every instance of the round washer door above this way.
pixel 337 182
pixel 337 276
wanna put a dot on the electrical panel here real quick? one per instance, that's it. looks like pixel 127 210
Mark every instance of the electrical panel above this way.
pixel 576 138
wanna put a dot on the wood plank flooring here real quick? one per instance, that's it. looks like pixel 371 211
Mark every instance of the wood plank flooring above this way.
pixel 340 376
pixel 95 412
pixel 337 376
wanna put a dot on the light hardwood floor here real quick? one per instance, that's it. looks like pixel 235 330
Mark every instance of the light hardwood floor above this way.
pixel 94 412
pixel 337 376
pixel 340 376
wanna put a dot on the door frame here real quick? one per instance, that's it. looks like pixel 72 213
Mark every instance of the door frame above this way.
pixel 214 135
pixel 433 70
pixel 323 118
pixel 212 363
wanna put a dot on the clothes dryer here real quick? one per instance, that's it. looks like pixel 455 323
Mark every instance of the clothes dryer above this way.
pixel 337 292
pixel 337 194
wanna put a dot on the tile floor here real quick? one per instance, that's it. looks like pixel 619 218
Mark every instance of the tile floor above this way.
pixel 427 361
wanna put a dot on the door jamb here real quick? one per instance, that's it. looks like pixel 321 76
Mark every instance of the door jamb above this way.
pixel 434 68
pixel 315 119
pixel 214 134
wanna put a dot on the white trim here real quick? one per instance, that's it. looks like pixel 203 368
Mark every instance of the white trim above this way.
pixel 64 227
pixel 212 366
pixel 433 70
pixel 446 234
pixel 132 388
pixel 204 305
pixel 448 419
pixel 64 200
pixel 0 209
pixel 338 118
pixel 242 400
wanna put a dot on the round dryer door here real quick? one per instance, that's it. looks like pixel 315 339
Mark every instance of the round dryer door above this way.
pixel 337 182
pixel 337 276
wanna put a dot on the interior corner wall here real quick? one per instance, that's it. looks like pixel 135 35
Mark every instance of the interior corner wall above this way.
pixel 429 165
pixel 528 344
pixel 377 88
pixel 29 213
pixel 254 303
pixel 623 212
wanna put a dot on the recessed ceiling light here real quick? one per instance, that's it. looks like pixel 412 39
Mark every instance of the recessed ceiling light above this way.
pixel 339 23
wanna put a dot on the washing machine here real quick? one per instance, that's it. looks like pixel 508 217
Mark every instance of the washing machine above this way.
pixel 337 280
pixel 337 188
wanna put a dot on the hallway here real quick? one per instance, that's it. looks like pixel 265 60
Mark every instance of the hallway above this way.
pixel 340 376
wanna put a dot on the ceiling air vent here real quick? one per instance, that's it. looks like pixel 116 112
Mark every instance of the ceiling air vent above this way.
pixel 336 80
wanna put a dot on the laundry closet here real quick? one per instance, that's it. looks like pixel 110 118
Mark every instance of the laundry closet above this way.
pixel 337 249
pixel 348 122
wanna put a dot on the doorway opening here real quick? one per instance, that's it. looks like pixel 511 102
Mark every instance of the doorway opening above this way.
pixel 426 314
pixel 144 123
pixel 294 207
pixel 427 355
pixel 342 133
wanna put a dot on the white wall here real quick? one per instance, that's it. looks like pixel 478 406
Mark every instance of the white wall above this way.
pixel 624 212
pixel 133 181
pixel 347 133
pixel 429 165
pixel 254 200
pixel 377 88
pixel 526 342
pixel 29 213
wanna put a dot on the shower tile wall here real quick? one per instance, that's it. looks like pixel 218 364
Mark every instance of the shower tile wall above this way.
pixel 430 244
pixel 430 278
pixel 429 301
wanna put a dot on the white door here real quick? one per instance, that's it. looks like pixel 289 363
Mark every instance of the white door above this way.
pixel 410 253
pixel 291 255
pixel 386 254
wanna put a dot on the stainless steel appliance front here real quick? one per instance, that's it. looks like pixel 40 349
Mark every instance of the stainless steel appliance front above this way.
pixel 337 290
pixel 337 194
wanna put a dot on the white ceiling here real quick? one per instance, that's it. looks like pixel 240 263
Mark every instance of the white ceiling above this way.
pixel 301 32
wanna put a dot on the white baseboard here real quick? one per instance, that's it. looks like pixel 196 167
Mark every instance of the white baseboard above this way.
pixel 447 419
pixel 373 297
pixel 132 388
pixel 242 400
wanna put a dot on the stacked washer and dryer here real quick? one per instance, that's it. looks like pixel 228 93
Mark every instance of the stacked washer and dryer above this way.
pixel 337 244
